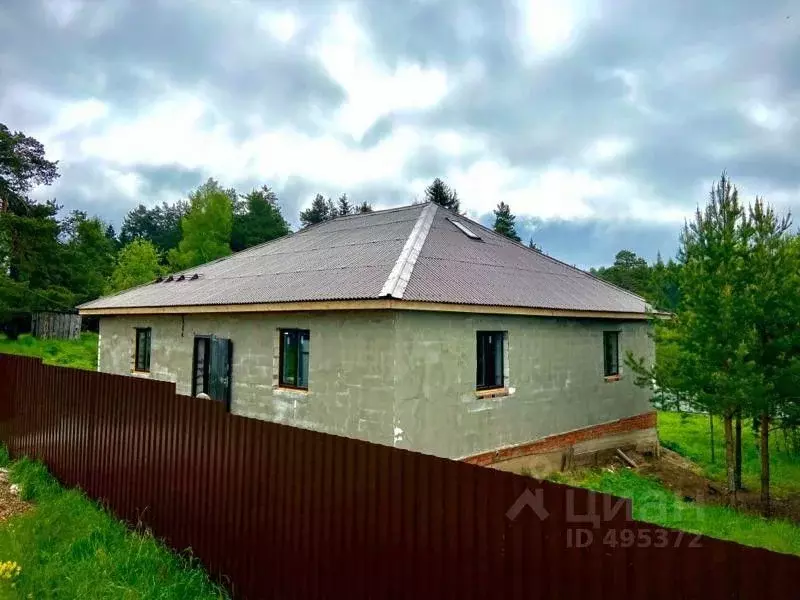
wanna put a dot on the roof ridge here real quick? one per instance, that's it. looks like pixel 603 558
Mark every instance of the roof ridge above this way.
pixel 356 215
pixel 395 285
pixel 548 257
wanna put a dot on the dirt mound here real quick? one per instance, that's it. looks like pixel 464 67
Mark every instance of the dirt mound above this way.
pixel 686 480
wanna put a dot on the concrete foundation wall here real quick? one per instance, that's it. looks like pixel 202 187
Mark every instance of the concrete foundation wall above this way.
pixel 404 378
pixel 554 374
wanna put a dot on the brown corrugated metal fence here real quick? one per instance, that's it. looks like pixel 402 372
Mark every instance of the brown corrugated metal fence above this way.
pixel 281 512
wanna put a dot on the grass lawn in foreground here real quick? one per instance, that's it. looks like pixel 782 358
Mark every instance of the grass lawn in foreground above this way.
pixel 654 503
pixel 68 547
pixel 688 435
pixel 78 354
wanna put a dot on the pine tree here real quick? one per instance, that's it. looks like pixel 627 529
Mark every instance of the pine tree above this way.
pixel 318 212
pixel 333 212
pixel 365 207
pixel 709 339
pixel 343 206
pixel 533 246
pixel 258 220
pixel 440 193
pixel 773 275
pixel 710 326
pixel 504 222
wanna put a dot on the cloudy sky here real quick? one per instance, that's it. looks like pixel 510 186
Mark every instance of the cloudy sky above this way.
pixel 602 124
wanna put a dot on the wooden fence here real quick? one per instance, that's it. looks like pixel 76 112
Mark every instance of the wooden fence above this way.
pixel 280 512
pixel 52 325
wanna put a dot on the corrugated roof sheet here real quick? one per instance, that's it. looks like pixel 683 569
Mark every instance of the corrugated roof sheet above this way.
pixel 353 258
pixel 496 271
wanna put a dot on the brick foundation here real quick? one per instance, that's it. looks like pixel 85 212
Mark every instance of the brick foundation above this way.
pixel 563 441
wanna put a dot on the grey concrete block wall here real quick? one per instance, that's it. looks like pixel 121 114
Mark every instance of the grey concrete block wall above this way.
pixel 351 368
pixel 555 378
pixel 403 378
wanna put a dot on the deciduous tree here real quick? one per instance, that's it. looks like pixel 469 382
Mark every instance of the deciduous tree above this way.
pixel 206 227
pixel 137 263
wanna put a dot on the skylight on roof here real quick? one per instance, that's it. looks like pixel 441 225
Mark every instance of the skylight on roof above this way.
pixel 465 230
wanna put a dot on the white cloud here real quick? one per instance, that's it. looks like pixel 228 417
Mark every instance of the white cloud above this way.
pixel 282 25
pixel 607 149
pixel 548 27
pixel 373 90
pixel 182 130
pixel 769 116
pixel 90 18
pixel 78 114
pixel 63 12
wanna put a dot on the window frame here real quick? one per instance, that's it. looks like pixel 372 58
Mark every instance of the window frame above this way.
pixel 608 371
pixel 148 333
pixel 298 333
pixel 499 374
pixel 206 363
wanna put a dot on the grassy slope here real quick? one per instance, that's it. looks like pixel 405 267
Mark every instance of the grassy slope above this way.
pixel 689 435
pixel 70 548
pixel 79 354
pixel 653 503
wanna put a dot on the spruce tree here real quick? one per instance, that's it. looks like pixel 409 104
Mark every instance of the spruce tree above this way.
pixel 504 222
pixel 440 193
pixel 316 213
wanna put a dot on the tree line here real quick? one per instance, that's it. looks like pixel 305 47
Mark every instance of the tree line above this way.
pixel 55 261
pixel 730 345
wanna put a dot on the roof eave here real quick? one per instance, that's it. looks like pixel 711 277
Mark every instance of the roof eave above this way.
pixel 366 304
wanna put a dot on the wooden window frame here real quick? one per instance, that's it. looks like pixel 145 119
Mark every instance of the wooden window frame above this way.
pixel 148 333
pixel 609 372
pixel 298 333
pixel 484 388
pixel 206 360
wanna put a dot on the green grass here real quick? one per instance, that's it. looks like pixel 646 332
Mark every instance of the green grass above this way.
pixel 653 503
pixel 689 436
pixel 68 547
pixel 79 354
